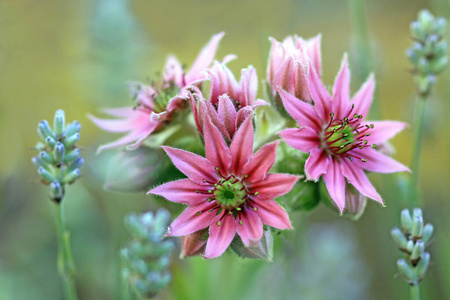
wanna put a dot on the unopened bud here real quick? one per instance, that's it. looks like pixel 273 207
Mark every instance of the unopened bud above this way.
pixel 49 141
pixel 70 141
pixel 45 157
pixel 405 269
pixel 410 246
pixel 72 176
pixel 77 163
pixel 59 122
pixel 416 31
pixel 46 175
pixel 423 264
pixel 418 250
pixel 73 128
pixel 425 19
pixel 71 155
pixel 58 152
pixel 440 26
pixel 427 232
pixel 399 238
pixel 417 228
pixel 417 212
pixel 44 130
pixel 406 220
pixel 56 191
pixel 439 65
pixel 441 48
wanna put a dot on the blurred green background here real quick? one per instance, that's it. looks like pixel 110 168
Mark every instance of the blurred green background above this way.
pixel 78 56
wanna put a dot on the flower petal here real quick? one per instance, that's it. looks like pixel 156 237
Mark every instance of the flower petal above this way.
pixel 271 213
pixel 216 150
pixel 313 51
pixel 192 219
pixel 220 236
pixel 249 227
pixel 377 162
pixel 302 112
pixel 205 109
pixel 273 186
pixel 304 138
pixel 242 147
pixel 173 71
pixel 384 130
pixel 285 76
pixel 197 168
pixel 335 182
pixel 364 97
pixel 242 115
pixel 204 59
pixel 183 191
pixel 259 164
pixel 227 113
pixel 249 86
pixel 222 82
pixel 193 244
pixel 320 95
pixel 317 164
pixel 356 177
pixel 137 119
pixel 341 91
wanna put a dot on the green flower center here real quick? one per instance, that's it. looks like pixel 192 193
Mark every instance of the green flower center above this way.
pixel 230 193
pixel 163 97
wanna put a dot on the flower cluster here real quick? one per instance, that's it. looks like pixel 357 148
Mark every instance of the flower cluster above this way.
pixel 147 257
pixel 59 159
pixel 412 239
pixel 230 193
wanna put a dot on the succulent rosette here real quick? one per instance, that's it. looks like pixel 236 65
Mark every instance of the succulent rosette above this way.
pixel 156 103
pixel 230 191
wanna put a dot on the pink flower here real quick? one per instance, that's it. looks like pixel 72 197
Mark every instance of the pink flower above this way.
pixel 288 66
pixel 341 143
pixel 156 104
pixel 230 103
pixel 229 191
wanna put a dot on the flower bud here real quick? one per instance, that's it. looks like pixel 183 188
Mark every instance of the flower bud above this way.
pixel 440 26
pixel 77 163
pixel 425 19
pixel 71 155
pixel 46 175
pixel 58 152
pixel 423 264
pixel 72 176
pixel 406 220
pixel 44 130
pixel 59 122
pixel 418 250
pixel 49 141
pixel 416 31
pixel 73 128
pixel 441 48
pixel 427 232
pixel 410 246
pixel 46 158
pixel 70 141
pixel 405 269
pixel 399 238
pixel 56 191
pixel 417 228
pixel 439 65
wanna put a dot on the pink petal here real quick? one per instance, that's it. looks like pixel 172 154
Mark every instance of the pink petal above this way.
pixel 364 97
pixel 276 58
pixel 317 164
pixel 220 236
pixel 216 149
pixel 206 109
pixel 149 130
pixel 249 86
pixel 192 219
pixel 195 110
pixel 126 139
pixel 227 113
pixel 120 125
pixel 302 90
pixel 193 244
pixel 304 138
pixel 173 71
pixel 271 213
pixel 249 227
pixel 120 112
pixel 377 162
pixel 356 177
pixel 260 163
pixel 341 91
pixel 197 168
pixel 242 147
pixel 335 183
pixel 384 130
pixel 313 51
pixel 302 112
pixel 273 186
pixel 222 82
pixel 285 76
pixel 242 115
pixel 183 191
pixel 204 59
pixel 320 95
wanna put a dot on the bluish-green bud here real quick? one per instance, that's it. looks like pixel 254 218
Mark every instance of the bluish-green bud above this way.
pixel 77 163
pixel 58 152
pixel 44 130
pixel 423 264
pixel 56 191
pixel 59 122
pixel 72 176
pixel 439 65
pixel 410 246
pixel 416 30
pixel 71 155
pixel 417 212
pixel 49 141
pixel 427 232
pixel 38 162
pixel 399 238
pixel 417 228
pixel 425 19
pixel 46 175
pixel 441 48
pixel 418 250
pixel 46 158
pixel 440 26
pixel 406 220
pixel 405 269
pixel 73 128
pixel 70 141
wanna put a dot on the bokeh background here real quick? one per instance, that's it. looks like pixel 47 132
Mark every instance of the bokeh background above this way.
pixel 78 56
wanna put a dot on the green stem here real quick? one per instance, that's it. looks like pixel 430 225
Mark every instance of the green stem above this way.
pixel 66 265
pixel 415 292
pixel 418 136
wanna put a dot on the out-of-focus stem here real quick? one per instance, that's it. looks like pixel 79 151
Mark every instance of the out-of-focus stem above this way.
pixel 66 265
pixel 415 292
pixel 418 136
